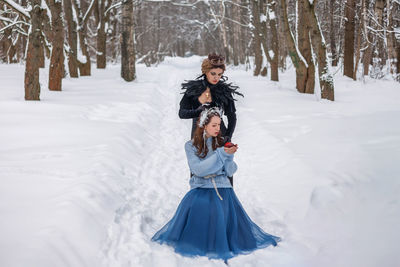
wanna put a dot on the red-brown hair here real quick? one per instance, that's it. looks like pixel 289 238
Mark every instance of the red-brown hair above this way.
pixel 198 139
pixel 213 61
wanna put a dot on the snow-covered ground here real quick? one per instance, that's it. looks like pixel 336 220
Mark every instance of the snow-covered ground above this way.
pixel 87 175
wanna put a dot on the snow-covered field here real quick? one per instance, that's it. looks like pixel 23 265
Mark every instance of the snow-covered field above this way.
pixel 87 175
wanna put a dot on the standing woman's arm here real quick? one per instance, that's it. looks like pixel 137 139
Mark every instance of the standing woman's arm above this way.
pixel 231 115
pixel 186 111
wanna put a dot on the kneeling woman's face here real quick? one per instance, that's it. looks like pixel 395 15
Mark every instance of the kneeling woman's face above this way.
pixel 214 75
pixel 213 127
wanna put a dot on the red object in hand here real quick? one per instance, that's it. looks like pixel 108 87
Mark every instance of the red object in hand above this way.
pixel 229 144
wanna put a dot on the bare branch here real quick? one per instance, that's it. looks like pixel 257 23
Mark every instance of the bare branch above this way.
pixel 232 20
pixel 86 16
pixel 112 7
pixel 16 7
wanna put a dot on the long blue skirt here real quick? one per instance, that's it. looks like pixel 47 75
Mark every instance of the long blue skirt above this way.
pixel 204 225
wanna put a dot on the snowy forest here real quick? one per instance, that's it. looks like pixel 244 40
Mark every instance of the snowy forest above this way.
pixel 362 37
pixel 93 170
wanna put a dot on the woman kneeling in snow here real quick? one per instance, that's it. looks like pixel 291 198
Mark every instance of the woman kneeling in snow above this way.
pixel 210 221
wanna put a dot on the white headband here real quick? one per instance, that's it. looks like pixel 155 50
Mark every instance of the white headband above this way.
pixel 206 113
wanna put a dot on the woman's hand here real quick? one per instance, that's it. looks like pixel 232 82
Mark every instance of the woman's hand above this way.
pixel 231 150
pixel 205 97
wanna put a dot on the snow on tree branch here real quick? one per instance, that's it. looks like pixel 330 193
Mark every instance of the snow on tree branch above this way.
pixel 17 7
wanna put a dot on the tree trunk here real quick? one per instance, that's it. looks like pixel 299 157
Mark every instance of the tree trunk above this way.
pixel 379 47
pixel 41 52
pixel 349 38
pixel 390 35
pixel 32 85
pixel 325 77
pixel 243 31
pixel 45 29
pixel 114 38
pixel 101 36
pixel 56 72
pixel 304 43
pixel 225 42
pixel 369 41
pixel 236 35
pixel 128 72
pixel 72 40
pixel 6 45
pixel 358 34
pixel 272 18
pixel 84 63
pixel 398 62
pixel 297 59
pixel 332 35
pixel 396 10
pixel 258 58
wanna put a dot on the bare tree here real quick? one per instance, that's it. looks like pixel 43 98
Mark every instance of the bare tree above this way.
pixel 102 17
pixel 256 6
pixel 32 85
pixel 332 32
pixel 84 62
pixel 378 56
pixel 396 25
pixel 303 28
pixel 273 25
pixel 367 55
pixel 358 35
pixel 349 38
pixel 72 50
pixel 236 34
pixel 319 45
pixel 128 71
pixel 56 72
pixel 222 26
pixel 14 26
pixel 297 58
pixel 265 25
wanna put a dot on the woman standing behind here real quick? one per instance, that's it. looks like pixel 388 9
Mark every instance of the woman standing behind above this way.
pixel 210 221
pixel 210 90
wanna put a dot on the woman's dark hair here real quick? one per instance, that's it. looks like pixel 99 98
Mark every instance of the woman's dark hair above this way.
pixel 198 139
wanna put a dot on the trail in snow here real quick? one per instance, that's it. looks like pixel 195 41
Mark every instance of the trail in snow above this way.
pixel 158 186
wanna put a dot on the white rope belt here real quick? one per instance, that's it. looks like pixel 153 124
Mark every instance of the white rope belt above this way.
pixel 215 185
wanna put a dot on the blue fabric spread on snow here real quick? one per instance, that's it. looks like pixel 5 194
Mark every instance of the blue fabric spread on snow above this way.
pixel 210 224
pixel 217 162
pixel 203 225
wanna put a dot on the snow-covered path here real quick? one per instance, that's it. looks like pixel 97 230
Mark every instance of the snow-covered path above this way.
pixel 89 174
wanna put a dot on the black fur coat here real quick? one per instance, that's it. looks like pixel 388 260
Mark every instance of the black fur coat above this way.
pixel 222 97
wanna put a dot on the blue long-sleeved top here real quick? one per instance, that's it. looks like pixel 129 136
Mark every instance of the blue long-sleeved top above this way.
pixel 214 168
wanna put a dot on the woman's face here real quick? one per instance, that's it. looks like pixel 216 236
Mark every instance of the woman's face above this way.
pixel 213 127
pixel 214 75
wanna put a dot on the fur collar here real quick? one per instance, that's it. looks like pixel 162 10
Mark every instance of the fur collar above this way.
pixel 221 92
